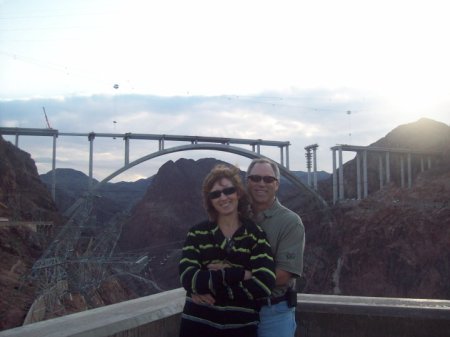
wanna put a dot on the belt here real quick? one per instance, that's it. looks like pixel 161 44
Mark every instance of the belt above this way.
pixel 272 300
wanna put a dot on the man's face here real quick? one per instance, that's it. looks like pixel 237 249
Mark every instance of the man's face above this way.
pixel 262 192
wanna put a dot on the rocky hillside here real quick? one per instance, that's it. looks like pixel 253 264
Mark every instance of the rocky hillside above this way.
pixel 23 197
pixel 394 243
pixel 397 242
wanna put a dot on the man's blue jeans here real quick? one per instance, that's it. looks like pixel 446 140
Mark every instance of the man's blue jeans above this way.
pixel 277 320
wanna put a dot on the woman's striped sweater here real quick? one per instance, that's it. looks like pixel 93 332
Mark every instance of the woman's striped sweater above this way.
pixel 235 297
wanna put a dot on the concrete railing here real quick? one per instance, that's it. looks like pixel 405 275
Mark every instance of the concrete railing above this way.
pixel 351 316
pixel 155 315
pixel 317 315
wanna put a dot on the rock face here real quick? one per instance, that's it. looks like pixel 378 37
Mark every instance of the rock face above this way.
pixel 22 194
pixel 172 204
pixel 19 248
pixel 396 243
pixel 23 197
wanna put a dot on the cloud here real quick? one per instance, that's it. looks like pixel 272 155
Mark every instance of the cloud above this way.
pixel 300 117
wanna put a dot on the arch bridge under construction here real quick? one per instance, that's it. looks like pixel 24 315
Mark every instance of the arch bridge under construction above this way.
pixel 232 145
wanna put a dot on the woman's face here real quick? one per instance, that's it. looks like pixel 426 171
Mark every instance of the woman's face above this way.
pixel 224 197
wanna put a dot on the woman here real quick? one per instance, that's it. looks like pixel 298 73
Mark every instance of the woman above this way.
pixel 226 263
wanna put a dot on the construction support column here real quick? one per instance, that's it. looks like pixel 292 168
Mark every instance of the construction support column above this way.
pixel 380 169
pixel 335 194
pixel 91 138
pixel 341 175
pixel 308 164
pixel 315 167
pixel 358 175
pixel 287 157
pixel 409 170
pixel 312 156
pixel 281 156
pixel 402 171
pixel 388 169
pixel 365 184
pixel 127 149
pixel 54 169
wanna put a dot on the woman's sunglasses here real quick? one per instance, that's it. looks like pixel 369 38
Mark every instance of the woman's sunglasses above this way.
pixel 218 193
pixel 267 179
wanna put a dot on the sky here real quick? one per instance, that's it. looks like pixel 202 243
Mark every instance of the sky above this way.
pixel 307 72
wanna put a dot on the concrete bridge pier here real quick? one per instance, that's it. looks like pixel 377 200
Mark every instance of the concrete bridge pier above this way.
pixel 384 171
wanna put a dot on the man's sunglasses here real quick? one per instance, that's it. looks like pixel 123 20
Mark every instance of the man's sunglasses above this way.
pixel 218 193
pixel 267 179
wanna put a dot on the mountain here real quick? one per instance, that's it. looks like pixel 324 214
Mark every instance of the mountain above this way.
pixel 111 198
pixel 422 135
pixel 22 195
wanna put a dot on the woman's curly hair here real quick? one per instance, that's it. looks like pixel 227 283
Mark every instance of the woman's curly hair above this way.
pixel 232 173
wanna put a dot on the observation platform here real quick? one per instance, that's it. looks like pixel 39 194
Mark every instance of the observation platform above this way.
pixel 317 316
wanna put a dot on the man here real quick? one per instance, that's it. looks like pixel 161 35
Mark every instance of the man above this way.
pixel 286 234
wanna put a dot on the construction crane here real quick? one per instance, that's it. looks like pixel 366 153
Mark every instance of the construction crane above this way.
pixel 46 119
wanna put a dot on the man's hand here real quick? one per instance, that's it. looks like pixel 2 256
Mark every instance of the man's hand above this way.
pixel 283 277
pixel 203 299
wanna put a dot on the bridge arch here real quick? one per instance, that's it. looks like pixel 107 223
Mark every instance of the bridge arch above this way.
pixel 214 147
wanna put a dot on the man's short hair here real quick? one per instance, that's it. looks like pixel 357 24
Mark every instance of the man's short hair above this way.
pixel 274 166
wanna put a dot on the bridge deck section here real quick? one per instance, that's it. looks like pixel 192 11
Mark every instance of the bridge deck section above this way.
pixel 161 138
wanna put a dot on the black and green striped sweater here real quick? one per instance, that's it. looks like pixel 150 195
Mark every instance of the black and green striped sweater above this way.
pixel 235 297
